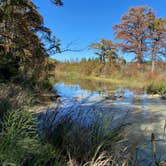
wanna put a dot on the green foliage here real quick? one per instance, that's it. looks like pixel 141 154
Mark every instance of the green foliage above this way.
pixel 107 51
pixel 18 137
pixel 158 87
pixel 8 66
pixel 22 26
pixel 19 142
pixel 5 105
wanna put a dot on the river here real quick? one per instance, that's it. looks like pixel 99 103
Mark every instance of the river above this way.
pixel 145 114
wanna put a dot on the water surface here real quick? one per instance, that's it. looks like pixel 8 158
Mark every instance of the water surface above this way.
pixel 146 114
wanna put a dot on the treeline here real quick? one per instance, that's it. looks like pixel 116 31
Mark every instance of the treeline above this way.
pixel 119 69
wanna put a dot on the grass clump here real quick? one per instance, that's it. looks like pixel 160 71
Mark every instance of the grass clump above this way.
pixel 80 143
pixel 20 144
pixel 157 87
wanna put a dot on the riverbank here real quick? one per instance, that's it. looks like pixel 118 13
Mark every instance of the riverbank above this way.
pixel 139 113
pixel 16 96
pixel 129 75
pixel 22 141
pixel 133 83
pixel 67 143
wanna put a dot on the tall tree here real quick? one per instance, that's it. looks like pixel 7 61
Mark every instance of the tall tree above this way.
pixel 132 32
pixel 157 38
pixel 22 26
pixel 105 49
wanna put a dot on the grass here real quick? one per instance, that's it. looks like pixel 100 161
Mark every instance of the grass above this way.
pixel 25 142
pixel 28 139
pixel 158 87
pixel 85 145
pixel 17 95
pixel 116 82
pixel 128 76
pixel 95 144
pixel 20 144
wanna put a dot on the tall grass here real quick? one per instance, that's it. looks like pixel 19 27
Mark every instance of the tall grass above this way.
pixel 45 139
pixel 60 142
pixel 81 141
pixel 158 87
pixel 19 142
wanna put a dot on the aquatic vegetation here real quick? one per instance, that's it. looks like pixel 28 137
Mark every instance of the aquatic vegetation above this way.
pixel 158 87
pixel 92 144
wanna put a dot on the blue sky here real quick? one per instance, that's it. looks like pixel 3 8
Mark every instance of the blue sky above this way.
pixel 85 21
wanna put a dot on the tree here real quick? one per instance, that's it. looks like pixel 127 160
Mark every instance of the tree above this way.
pixel 105 49
pixel 157 38
pixel 132 32
pixel 23 38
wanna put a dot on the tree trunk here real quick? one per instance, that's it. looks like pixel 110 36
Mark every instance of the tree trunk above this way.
pixel 139 60
pixel 153 66
pixel 153 62
pixel 154 52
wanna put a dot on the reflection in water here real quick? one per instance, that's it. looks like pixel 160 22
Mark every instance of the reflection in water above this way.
pixel 88 84
pixel 75 92
pixel 145 114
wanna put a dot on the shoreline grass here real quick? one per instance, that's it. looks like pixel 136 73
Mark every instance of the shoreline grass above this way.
pixel 125 82
pixel 158 87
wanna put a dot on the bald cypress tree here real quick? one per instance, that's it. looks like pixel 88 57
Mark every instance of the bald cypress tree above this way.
pixel 157 38
pixel 132 32
pixel 105 49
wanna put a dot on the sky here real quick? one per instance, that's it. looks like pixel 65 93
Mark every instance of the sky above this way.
pixel 82 22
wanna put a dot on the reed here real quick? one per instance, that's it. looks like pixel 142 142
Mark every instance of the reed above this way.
pixel 158 87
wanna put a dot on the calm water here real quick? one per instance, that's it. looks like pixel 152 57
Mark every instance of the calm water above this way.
pixel 146 114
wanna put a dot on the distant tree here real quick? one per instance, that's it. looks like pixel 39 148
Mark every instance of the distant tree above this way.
pixel 105 49
pixel 132 32
pixel 157 38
